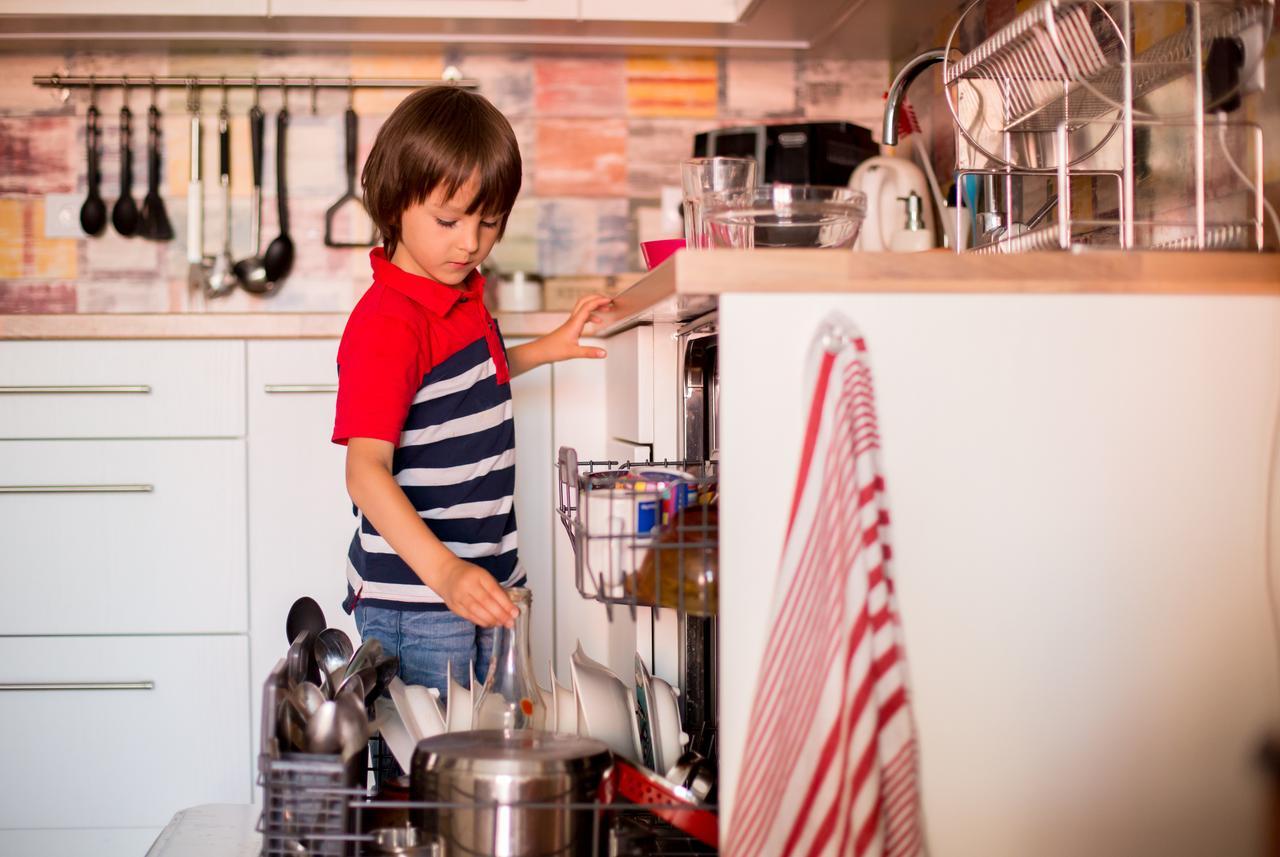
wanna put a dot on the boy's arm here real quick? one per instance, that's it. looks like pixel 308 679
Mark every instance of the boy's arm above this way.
pixel 561 343
pixel 467 589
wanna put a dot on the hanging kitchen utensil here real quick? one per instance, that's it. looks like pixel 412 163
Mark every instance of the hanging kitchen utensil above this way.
pixel 198 265
pixel 93 213
pixel 124 214
pixel 278 258
pixel 250 271
pixel 349 200
pixel 154 220
pixel 222 279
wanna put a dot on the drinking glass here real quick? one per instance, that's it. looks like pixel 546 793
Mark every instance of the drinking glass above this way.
pixel 702 176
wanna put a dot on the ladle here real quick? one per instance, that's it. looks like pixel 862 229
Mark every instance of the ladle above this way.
pixel 278 258
pixel 250 271
pixel 304 615
pixel 93 213
pixel 124 214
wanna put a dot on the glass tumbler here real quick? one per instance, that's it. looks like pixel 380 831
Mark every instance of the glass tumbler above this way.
pixel 700 177
pixel 510 698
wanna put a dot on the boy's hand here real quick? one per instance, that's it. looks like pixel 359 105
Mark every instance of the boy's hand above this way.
pixel 472 593
pixel 562 343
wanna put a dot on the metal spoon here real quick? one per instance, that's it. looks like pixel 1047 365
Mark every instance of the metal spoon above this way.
pixel 93 213
pixel 124 214
pixel 353 726
pixel 307 698
pixel 333 650
pixel 222 279
pixel 322 735
pixel 304 615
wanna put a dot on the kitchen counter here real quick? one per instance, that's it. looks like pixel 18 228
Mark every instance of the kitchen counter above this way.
pixel 686 285
pixel 223 325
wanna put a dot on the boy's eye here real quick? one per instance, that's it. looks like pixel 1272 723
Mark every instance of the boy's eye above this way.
pixel 447 224
pixel 492 224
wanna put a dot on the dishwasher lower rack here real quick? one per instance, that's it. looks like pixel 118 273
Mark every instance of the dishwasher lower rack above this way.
pixel 309 808
pixel 644 534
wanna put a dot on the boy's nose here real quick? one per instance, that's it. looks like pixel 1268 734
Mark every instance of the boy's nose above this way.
pixel 469 240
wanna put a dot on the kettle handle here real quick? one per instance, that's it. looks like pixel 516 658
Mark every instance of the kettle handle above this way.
pixel 872 184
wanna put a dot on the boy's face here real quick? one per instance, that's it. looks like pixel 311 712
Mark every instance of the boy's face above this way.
pixel 438 239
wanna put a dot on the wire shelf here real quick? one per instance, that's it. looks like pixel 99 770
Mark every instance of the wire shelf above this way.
pixel 644 534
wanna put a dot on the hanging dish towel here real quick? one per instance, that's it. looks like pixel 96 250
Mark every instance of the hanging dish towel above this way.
pixel 830 766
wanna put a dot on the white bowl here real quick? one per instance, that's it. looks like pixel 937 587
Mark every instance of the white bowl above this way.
pixel 664 710
pixel 606 707
pixel 458 705
pixel 566 706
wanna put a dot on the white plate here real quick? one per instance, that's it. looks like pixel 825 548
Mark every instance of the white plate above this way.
pixel 458 705
pixel 606 707
pixel 668 739
pixel 395 734
pixel 424 702
pixel 404 710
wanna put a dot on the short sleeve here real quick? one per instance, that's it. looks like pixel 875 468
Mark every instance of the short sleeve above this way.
pixel 379 372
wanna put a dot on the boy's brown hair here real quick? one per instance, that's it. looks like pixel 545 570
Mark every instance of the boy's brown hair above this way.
pixel 440 136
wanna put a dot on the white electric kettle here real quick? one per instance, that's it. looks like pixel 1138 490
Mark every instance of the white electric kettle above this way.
pixel 884 180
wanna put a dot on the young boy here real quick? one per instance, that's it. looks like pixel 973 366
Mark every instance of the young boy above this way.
pixel 424 395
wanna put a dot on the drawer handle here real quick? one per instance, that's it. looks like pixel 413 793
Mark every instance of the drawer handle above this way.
pixel 76 489
pixel 82 685
pixel 301 388
pixel 89 388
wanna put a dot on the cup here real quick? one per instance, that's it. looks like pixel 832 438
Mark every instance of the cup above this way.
pixel 702 176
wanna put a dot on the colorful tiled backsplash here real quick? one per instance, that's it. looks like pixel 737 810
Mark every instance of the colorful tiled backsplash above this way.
pixel 600 136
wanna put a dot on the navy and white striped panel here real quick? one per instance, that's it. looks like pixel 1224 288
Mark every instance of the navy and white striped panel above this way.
pixel 456 464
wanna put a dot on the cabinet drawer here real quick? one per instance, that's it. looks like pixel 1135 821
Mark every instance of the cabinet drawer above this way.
pixel 111 756
pixel 82 389
pixel 123 536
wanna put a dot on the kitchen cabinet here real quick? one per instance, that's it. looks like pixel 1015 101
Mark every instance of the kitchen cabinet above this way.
pixel 500 9
pixel 704 11
pixel 123 536
pixel 140 727
pixel 136 7
pixel 139 389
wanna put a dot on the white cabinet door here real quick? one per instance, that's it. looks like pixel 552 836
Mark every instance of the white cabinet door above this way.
pixel 628 396
pixel 135 7
pixel 150 538
pixel 529 9
pixel 301 520
pixel 82 389
pixel 110 755
pixel 702 11
pixel 535 490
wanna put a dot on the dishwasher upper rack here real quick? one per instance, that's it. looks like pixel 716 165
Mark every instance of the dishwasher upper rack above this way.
pixel 624 558
pixel 1069 63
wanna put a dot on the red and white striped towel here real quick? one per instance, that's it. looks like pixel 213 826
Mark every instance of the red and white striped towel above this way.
pixel 830 764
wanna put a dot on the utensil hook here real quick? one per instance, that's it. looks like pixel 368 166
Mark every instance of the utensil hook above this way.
pixel 224 112
pixel 314 91
pixel 154 89
pixel 284 95
pixel 351 93
pixel 255 90
pixel 124 91
pixel 93 93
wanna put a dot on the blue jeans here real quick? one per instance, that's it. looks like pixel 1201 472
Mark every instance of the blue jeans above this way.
pixel 426 641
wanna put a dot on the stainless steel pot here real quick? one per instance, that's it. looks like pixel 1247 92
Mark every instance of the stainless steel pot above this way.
pixel 491 778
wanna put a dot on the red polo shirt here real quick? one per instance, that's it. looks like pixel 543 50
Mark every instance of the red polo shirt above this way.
pixel 402 327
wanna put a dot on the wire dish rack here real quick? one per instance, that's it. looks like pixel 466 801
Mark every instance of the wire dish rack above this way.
pixel 644 534
pixel 318 805
pixel 1075 88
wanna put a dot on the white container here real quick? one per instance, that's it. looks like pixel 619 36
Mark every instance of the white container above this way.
pixel 520 293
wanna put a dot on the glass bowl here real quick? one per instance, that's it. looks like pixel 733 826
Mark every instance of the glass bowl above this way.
pixel 781 215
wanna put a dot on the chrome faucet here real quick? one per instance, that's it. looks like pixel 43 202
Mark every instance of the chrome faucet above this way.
pixel 905 76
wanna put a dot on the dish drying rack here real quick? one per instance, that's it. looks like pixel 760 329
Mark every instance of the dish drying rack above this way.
pixel 1054 109
pixel 315 804
pixel 619 560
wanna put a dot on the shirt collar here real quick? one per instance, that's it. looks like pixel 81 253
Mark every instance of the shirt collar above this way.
pixel 433 295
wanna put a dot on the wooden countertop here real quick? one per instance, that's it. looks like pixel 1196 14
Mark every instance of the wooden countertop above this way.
pixel 223 325
pixel 687 284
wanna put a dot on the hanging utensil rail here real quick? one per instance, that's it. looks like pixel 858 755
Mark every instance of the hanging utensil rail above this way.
pixel 58 81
